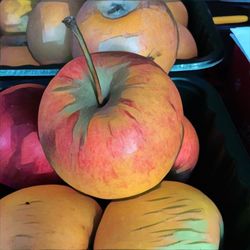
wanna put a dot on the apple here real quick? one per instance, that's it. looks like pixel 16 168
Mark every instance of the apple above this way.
pixel 188 155
pixel 110 141
pixel 187 45
pixel 48 39
pixel 14 15
pixel 146 28
pixel 172 216
pixel 52 217
pixel 22 160
pixel 179 11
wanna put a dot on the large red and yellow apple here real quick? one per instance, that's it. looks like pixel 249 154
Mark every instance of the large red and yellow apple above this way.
pixel 142 27
pixel 122 147
pixel 22 160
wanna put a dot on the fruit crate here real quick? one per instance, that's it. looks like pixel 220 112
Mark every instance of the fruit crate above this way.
pixel 208 40
pixel 223 168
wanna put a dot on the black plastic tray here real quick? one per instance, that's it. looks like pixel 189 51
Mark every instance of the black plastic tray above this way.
pixel 208 40
pixel 223 168
pixel 209 43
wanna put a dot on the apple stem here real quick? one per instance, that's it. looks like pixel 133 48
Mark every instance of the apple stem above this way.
pixel 70 23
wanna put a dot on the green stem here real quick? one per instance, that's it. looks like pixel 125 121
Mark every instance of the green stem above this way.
pixel 70 23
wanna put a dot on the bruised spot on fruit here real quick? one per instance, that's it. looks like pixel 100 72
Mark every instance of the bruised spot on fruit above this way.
pixel 153 55
pixel 129 43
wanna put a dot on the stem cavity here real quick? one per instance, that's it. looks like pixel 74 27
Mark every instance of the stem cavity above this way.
pixel 70 23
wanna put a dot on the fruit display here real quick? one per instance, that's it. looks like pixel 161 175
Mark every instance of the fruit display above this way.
pixel 103 154
pixel 123 140
pixel 48 217
pixel 171 216
pixel 22 160
pixel 118 25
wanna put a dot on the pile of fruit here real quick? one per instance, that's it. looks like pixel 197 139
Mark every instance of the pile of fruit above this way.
pixel 99 157
pixel 32 32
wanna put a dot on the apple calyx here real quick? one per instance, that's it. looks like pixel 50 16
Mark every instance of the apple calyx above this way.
pixel 116 8
pixel 71 23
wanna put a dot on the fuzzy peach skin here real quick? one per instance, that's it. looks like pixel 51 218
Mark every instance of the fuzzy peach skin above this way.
pixel 122 148
pixel 188 155
pixel 148 30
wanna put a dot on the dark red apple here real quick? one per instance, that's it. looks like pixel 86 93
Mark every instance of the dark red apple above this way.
pixel 22 160
pixel 121 144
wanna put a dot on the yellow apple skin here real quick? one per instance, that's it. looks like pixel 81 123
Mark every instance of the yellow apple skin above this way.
pixel 48 217
pixel 171 216
pixel 179 11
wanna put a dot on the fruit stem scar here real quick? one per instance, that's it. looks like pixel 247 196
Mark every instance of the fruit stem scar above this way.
pixel 70 23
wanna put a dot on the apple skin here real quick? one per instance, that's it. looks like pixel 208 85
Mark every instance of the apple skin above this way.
pixel 120 149
pixel 22 160
pixel 188 155
pixel 172 216
pixel 187 45
pixel 49 41
pixel 179 11
pixel 148 30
